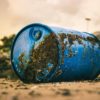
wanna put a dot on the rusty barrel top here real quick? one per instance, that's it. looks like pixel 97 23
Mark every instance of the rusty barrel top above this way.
pixel 41 53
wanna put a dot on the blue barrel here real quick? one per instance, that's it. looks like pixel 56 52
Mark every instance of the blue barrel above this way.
pixel 41 53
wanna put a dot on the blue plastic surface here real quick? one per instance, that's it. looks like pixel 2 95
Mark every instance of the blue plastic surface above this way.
pixel 77 54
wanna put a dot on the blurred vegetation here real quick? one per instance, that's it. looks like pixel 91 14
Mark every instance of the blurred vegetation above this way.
pixel 98 36
pixel 5 64
pixel 97 33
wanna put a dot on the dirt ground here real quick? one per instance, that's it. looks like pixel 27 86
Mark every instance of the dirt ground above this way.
pixel 16 90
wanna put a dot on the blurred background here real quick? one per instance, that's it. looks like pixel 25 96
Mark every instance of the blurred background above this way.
pixel 82 15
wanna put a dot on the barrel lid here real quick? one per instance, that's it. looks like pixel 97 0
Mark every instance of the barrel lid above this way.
pixel 35 53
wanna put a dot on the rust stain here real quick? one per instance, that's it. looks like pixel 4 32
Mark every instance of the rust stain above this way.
pixel 71 38
pixel 46 52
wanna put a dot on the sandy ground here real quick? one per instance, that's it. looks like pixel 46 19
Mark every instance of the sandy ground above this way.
pixel 16 90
